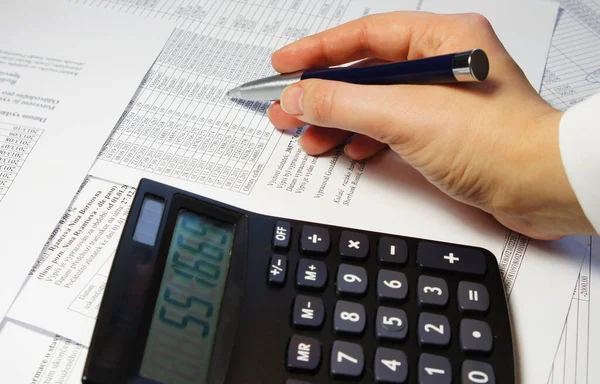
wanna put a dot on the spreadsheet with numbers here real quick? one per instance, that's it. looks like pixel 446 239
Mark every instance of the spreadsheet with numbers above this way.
pixel 181 124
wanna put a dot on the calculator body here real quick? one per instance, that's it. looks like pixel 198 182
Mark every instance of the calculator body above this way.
pixel 273 300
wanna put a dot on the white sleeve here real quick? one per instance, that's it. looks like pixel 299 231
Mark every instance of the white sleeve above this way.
pixel 579 140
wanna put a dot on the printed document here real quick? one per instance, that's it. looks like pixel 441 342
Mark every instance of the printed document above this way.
pixel 29 355
pixel 66 74
pixel 181 129
pixel 512 21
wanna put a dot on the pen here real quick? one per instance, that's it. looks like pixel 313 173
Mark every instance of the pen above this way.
pixel 466 66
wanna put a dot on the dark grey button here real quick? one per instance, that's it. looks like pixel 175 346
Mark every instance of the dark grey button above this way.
pixel 433 329
pixel 304 354
pixel 347 359
pixel 392 250
pixel 311 274
pixel 391 285
pixel 477 372
pixel 453 258
pixel 434 369
pixel 475 335
pixel 349 317
pixel 391 366
pixel 314 239
pixel 473 297
pixel 277 270
pixel 308 312
pixel 354 245
pixel 432 291
pixel 292 381
pixel 391 323
pixel 351 279
pixel 281 235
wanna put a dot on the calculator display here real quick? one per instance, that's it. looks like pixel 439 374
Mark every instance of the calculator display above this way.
pixel 186 314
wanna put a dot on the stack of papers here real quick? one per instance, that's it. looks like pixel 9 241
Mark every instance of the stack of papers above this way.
pixel 182 130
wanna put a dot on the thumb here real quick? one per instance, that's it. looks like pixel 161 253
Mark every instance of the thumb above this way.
pixel 371 110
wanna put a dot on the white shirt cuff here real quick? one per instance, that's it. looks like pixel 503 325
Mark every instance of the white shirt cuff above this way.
pixel 579 140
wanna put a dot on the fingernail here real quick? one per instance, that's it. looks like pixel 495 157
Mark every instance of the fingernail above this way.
pixel 291 100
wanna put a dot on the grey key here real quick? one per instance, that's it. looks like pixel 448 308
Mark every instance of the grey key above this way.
pixel 349 317
pixel 391 285
pixel 473 297
pixel 292 381
pixel 304 354
pixel 347 359
pixel 433 329
pixel 453 258
pixel 391 366
pixel 351 280
pixel 281 235
pixel 391 323
pixel 475 335
pixel 475 372
pixel 311 274
pixel 392 250
pixel 308 312
pixel 277 270
pixel 434 369
pixel 432 291
pixel 354 245
pixel 314 239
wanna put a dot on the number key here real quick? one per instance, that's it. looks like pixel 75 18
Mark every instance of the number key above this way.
pixel 391 366
pixel 351 279
pixel 432 291
pixel 347 359
pixel 349 317
pixel 477 372
pixel 434 369
pixel 391 285
pixel 391 324
pixel 433 329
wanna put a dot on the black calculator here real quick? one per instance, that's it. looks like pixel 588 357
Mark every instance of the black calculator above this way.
pixel 203 292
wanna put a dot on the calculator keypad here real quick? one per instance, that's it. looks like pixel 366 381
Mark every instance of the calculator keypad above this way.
pixel 447 283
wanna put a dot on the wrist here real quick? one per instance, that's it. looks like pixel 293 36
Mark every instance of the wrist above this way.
pixel 535 197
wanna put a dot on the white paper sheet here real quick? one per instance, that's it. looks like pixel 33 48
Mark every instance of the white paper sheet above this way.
pixel 68 280
pixel 573 67
pixel 33 356
pixel 579 349
pixel 513 21
pixel 66 74
pixel 181 130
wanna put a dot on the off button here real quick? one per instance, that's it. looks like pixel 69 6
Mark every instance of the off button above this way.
pixel 281 236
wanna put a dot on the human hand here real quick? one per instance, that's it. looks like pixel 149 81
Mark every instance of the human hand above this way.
pixel 492 145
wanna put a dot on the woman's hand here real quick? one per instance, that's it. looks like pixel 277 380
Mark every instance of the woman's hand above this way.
pixel 493 145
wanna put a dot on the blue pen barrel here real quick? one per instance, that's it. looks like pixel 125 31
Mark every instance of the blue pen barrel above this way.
pixel 433 70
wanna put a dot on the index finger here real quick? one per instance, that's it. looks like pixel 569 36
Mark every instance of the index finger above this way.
pixel 391 36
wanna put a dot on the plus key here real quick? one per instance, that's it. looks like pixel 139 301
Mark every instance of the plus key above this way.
pixel 451 258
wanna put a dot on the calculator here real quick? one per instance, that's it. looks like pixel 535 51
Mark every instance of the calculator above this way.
pixel 203 292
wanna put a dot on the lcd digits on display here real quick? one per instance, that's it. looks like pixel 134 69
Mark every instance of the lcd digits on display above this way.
pixel 183 327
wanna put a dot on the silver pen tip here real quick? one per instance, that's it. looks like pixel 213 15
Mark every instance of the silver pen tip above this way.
pixel 234 93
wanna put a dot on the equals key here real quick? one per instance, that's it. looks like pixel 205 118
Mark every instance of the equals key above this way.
pixel 277 270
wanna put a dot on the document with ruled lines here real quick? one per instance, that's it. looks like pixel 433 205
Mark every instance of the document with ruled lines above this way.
pixel 66 74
